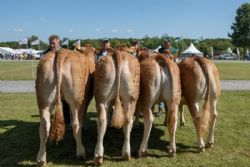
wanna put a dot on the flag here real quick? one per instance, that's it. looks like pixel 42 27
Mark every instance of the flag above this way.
pixel 212 52
pixel 23 41
pixel 78 42
pixel 65 42
pixel 238 51
pixel 36 42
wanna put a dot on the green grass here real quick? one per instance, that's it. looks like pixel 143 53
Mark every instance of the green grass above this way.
pixel 26 70
pixel 19 137
pixel 234 70
pixel 18 70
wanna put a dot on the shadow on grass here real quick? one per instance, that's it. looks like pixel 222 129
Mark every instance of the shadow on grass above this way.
pixel 19 143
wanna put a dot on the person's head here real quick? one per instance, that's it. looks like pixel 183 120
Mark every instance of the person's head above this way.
pixel 105 44
pixel 54 42
pixel 167 44
pixel 134 43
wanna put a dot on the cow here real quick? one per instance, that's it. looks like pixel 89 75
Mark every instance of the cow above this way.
pixel 160 81
pixel 63 74
pixel 200 79
pixel 116 82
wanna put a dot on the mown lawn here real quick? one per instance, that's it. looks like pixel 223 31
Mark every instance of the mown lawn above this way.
pixel 18 70
pixel 26 70
pixel 234 70
pixel 19 137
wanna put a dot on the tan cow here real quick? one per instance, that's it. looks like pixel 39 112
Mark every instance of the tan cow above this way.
pixel 200 80
pixel 64 75
pixel 160 81
pixel 117 79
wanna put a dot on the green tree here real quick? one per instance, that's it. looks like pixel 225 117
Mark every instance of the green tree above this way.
pixel 241 27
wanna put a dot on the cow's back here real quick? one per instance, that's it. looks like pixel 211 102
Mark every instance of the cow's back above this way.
pixel 193 81
pixel 130 76
pixel 45 79
pixel 150 74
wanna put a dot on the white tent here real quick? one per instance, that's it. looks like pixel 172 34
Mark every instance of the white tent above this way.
pixel 191 50
pixel 229 51
pixel 6 50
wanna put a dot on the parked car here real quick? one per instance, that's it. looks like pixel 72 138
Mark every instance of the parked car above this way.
pixel 228 56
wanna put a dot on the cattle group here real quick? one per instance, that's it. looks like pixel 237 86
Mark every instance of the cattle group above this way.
pixel 124 86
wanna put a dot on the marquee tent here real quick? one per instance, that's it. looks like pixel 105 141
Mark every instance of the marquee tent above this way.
pixel 6 50
pixel 191 50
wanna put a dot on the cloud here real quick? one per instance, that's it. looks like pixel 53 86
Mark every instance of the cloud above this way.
pixel 71 30
pixel 114 30
pixel 97 29
pixel 130 31
pixel 18 30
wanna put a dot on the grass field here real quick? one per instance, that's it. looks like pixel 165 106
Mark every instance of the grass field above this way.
pixel 19 137
pixel 234 71
pixel 26 70
pixel 18 70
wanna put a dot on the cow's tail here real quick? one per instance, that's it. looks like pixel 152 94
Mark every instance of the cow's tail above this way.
pixel 174 75
pixel 118 115
pixel 205 115
pixel 58 125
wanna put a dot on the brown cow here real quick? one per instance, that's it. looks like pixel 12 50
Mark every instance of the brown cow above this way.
pixel 64 75
pixel 200 80
pixel 117 79
pixel 160 81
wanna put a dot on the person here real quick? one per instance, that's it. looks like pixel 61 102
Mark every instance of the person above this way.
pixel 134 45
pixel 105 44
pixel 166 47
pixel 54 45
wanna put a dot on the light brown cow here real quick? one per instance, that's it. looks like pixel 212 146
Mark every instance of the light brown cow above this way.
pixel 117 79
pixel 200 80
pixel 64 75
pixel 160 81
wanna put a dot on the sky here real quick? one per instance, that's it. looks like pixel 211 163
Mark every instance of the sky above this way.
pixel 83 19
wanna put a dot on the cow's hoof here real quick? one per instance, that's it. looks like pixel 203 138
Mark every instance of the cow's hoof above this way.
pixel 209 145
pixel 127 157
pixel 201 149
pixel 41 164
pixel 142 154
pixel 171 153
pixel 98 160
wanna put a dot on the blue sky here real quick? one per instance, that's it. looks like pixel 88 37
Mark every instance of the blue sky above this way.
pixel 81 19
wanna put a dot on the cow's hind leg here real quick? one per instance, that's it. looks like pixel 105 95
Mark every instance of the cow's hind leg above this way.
pixel 181 111
pixel 101 129
pixel 172 124
pixel 129 109
pixel 77 120
pixel 213 115
pixel 44 134
pixel 194 110
pixel 148 121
